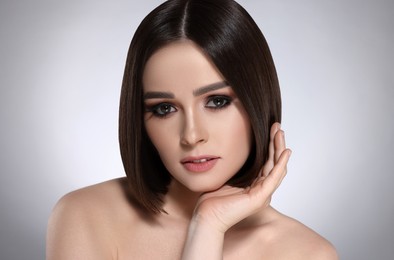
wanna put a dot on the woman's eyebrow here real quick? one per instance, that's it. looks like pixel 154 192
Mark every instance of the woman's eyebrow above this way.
pixel 158 94
pixel 210 87
pixel 197 92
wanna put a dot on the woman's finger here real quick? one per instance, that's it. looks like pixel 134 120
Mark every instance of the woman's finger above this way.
pixel 269 164
pixel 268 186
pixel 279 144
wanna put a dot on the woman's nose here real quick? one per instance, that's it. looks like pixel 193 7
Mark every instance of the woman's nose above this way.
pixel 194 130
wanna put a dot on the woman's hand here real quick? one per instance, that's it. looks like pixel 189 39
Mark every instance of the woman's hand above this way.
pixel 225 207
pixel 219 210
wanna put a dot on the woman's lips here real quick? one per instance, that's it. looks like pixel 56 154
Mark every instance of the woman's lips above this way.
pixel 199 164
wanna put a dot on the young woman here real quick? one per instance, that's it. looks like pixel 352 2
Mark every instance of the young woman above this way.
pixel 201 145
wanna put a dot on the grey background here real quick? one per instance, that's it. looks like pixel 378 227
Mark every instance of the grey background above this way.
pixel 61 69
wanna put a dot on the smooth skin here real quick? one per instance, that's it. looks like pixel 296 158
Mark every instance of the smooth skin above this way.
pixel 193 113
pixel 206 219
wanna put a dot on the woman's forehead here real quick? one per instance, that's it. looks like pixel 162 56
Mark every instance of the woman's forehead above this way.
pixel 178 64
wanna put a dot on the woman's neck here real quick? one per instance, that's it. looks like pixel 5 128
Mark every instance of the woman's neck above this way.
pixel 179 201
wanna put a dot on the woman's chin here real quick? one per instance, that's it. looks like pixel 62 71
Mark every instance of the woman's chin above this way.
pixel 197 186
pixel 204 187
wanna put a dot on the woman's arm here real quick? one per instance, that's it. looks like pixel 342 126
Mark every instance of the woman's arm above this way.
pixel 218 211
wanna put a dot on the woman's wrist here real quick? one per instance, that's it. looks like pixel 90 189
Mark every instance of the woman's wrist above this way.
pixel 203 224
pixel 203 241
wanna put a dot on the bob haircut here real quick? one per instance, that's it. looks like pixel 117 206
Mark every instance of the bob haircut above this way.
pixel 227 34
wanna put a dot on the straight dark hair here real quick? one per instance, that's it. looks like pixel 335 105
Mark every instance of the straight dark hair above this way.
pixel 231 39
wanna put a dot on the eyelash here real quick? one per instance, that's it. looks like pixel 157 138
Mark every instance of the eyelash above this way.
pixel 223 100
pixel 154 109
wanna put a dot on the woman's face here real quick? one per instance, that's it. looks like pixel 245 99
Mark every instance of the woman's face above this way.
pixel 193 118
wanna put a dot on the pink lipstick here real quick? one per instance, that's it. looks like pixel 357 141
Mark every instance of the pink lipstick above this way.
pixel 199 164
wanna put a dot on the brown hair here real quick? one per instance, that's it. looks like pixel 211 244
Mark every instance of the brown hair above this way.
pixel 235 44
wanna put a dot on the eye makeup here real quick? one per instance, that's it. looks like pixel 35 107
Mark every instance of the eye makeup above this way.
pixel 160 110
pixel 215 97
pixel 218 101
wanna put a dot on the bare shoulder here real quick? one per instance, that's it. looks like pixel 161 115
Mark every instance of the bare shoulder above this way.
pixel 290 239
pixel 83 223
pixel 105 196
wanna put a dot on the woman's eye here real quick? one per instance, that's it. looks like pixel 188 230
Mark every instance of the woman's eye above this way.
pixel 217 102
pixel 162 110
